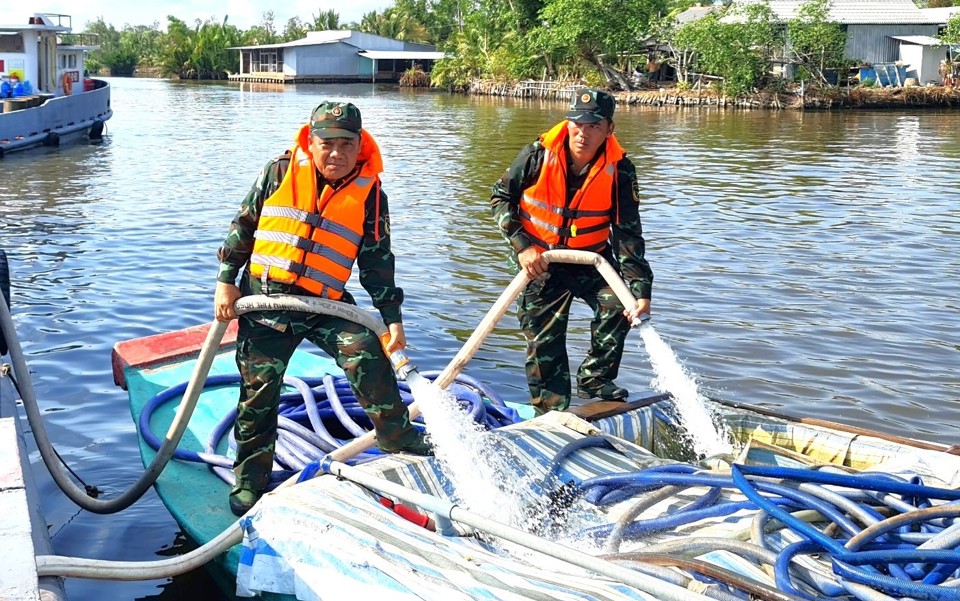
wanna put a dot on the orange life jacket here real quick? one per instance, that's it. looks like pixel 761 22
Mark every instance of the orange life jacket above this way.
pixel 308 239
pixel 584 223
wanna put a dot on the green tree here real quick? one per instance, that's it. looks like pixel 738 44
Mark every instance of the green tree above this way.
pixel 144 41
pixel 586 30
pixel 294 30
pixel 178 47
pixel 395 23
pixel 734 45
pixel 264 32
pixel 951 34
pixel 109 55
pixel 815 42
pixel 211 58
pixel 326 20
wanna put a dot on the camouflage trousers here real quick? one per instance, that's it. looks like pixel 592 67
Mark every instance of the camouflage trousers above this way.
pixel 544 310
pixel 265 343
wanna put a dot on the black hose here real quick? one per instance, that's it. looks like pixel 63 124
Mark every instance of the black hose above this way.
pixel 5 288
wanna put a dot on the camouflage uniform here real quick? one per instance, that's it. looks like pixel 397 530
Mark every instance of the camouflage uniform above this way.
pixel 267 339
pixel 544 305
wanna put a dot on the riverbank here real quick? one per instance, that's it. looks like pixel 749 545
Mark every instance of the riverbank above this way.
pixel 800 99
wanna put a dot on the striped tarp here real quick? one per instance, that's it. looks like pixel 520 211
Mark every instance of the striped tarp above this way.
pixel 330 539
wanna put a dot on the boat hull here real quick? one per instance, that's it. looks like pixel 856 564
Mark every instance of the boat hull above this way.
pixel 58 120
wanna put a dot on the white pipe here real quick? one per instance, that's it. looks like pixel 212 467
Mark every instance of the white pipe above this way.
pixel 47 452
pixel 660 589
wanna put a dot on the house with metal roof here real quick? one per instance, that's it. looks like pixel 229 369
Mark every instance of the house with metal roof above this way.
pixel 333 56
pixel 872 25
pixel 879 32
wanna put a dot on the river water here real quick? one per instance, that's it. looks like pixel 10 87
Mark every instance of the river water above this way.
pixel 804 262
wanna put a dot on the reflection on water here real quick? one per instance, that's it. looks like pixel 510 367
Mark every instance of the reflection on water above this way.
pixel 804 261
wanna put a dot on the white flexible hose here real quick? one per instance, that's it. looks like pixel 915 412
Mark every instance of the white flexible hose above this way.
pixel 489 322
pixel 95 569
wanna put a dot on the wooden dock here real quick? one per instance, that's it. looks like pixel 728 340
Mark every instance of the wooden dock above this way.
pixel 23 528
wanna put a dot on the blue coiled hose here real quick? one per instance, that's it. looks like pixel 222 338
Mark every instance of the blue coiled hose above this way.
pixel 883 556
pixel 304 416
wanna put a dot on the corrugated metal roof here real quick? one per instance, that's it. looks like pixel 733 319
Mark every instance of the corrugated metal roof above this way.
pixel 858 12
pixel 401 54
pixel 694 13
pixel 941 14
pixel 922 40
pixel 313 38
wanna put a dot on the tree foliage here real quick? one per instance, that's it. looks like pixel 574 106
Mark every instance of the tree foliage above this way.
pixel 327 20
pixel 951 34
pixel 397 23
pixel 510 40
pixel 588 29
pixel 734 45
pixel 816 43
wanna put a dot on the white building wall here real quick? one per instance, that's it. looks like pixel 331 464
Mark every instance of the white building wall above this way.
pixel 923 62
pixel 290 61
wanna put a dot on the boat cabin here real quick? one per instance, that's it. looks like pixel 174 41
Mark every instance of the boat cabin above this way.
pixel 43 56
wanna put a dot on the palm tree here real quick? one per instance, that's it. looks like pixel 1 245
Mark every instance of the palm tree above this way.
pixel 326 20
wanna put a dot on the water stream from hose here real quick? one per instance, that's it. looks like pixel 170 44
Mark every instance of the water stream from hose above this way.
pixel 472 459
pixel 706 431
pixel 486 475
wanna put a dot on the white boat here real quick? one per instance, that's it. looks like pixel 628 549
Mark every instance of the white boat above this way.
pixel 47 100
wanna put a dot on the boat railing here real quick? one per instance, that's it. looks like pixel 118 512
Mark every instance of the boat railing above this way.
pixel 79 39
pixel 58 20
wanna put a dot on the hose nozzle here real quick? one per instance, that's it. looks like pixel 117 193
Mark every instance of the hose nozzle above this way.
pixel 640 320
pixel 398 359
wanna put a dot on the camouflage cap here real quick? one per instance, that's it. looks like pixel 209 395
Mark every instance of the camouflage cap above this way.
pixel 336 120
pixel 590 106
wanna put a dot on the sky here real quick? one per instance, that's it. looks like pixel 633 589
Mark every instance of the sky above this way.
pixel 242 13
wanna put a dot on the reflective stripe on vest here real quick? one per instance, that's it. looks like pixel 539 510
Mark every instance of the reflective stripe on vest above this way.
pixel 584 222
pixel 306 239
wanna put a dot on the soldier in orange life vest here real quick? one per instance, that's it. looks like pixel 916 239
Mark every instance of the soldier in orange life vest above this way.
pixel 313 213
pixel 574 188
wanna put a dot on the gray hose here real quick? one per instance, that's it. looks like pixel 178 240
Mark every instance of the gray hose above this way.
pixel 178 426
pixel 623 522
pixel 53 565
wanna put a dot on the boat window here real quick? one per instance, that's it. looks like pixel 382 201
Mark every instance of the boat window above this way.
pixel 11 42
